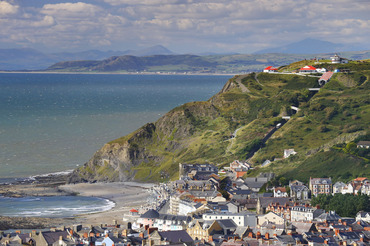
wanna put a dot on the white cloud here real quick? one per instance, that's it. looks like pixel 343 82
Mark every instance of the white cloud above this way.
pixel 7 8
pixel 242 25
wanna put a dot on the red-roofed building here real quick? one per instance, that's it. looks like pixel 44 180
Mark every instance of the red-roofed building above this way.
pixel 134 212
pixel 308 69
pixel 270 69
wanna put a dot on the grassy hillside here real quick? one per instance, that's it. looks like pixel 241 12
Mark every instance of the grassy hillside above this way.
pixel 236 121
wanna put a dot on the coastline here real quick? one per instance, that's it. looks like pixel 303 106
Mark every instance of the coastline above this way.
pixel 125 196
pixel 122 73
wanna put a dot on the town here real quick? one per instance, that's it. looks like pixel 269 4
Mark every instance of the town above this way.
pixel 210 204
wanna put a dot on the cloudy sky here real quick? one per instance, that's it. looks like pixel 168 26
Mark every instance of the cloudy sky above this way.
pixel 183 26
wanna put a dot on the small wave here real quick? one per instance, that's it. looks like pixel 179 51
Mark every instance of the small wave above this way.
pixel 66 172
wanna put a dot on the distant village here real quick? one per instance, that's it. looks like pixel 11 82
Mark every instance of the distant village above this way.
pixel 212 206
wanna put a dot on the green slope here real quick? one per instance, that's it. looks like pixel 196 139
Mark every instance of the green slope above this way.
pixel 250 106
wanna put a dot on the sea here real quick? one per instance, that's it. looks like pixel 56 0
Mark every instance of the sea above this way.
pixel 56 122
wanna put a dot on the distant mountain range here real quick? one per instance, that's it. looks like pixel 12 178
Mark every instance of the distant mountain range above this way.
pixel 311 46
pixel 31 59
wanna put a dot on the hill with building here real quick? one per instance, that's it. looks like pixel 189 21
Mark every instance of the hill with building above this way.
pixel 285 122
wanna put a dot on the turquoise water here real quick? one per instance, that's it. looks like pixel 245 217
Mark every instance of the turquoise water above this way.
pixel 55 122
pixel 52 207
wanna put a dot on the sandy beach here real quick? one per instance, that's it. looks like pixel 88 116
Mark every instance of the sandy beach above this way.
pixel 126 195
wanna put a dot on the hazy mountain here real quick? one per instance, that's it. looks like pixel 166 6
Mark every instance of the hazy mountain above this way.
pixel 311 46
pixel 31 59
pixel 154 50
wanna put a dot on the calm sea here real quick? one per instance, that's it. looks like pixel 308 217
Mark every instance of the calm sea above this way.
pixel 55 122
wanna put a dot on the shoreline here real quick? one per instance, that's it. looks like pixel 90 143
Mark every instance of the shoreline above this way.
pixel 122 73
pixel 124 195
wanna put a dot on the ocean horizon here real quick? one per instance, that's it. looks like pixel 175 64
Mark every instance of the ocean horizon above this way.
pixel 56 122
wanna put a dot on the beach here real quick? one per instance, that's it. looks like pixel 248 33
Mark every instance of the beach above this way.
pixel 125 195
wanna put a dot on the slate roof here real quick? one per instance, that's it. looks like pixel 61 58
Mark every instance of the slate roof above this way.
pixel 51 236
pixel 265 201
pixel 227 224
pixel 330 216
pixel 150 214
pixel 176 236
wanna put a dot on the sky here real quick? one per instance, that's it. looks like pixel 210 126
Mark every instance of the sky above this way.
pixel 183 26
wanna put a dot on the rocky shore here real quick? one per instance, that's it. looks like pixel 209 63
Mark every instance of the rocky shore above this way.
pixel 7 223
pixel 43 185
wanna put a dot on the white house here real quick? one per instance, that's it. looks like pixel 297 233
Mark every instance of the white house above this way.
pixel 289 152
pixel 240 219
pixel 305 213
pixel 338 187
pixel 270 69
pixel 364 216
pixel 321 70
pixel 280 192
pixel 337 59
pixel 365 189
pixel 308 69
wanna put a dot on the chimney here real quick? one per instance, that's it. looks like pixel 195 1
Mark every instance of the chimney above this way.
pixel 345 223
pixel 359 222
pixel 85 235
pixel 18 232
pixel 267 236
pixel 250 234
pixel 258 235
pixel 124 233
pixel 336 232
pixel 275 235
pixel 210 239
pixel 326 241
pixel 141 235
pixel 92 234
pixel 350 229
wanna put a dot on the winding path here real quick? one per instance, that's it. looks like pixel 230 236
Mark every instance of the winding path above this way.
pixel 238 80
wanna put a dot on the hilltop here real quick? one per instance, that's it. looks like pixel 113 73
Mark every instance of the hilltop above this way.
pixel 240 119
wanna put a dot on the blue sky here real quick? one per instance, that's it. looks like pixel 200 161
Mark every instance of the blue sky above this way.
pixel 183 26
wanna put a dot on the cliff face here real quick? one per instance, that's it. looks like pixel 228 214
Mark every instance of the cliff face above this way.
pixel 115 160
pixel 227 126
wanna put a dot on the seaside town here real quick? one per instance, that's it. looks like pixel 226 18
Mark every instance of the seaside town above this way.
pixel 212 205
pixel 208 206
